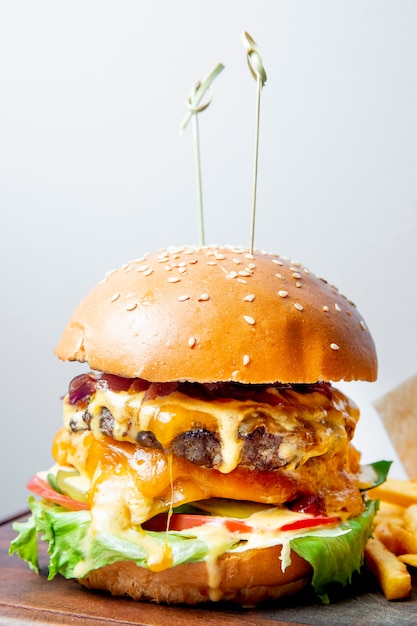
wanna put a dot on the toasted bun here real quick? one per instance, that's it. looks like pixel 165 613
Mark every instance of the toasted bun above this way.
pixel 219 314
pixel 247 578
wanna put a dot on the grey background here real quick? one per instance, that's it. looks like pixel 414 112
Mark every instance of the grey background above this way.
pixel 93 171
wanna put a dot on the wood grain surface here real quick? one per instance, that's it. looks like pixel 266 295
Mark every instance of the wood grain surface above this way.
pixel 27 598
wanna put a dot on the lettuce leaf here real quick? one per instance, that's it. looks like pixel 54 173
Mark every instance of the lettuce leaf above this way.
pixel 74 549
pixel 335 559
pixel 25 545
pixel 374 474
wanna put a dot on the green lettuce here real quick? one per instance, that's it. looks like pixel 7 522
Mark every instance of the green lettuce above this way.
pixel 74 549
pixel 335 559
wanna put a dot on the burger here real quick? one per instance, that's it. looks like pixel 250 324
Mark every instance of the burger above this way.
pixel 205 454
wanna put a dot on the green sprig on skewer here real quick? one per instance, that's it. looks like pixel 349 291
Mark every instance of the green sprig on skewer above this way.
pixel 258 72
pixel 195 106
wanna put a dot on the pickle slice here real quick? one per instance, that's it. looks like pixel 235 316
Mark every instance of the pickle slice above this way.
pixel 71 483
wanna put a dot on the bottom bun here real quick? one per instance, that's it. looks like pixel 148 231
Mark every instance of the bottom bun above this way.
pixel 246 578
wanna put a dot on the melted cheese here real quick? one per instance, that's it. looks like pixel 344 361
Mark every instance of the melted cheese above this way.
pixel 309 424
pixel 129 485
pixel 150 481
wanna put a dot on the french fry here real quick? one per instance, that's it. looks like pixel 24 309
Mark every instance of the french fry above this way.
pixel 391 573
pixel 408 559
pixel 410 518
pixel 396 491
pixel 391 510
pixel 386 518
pixel 407 541
pixel 384 533
pixel 393 547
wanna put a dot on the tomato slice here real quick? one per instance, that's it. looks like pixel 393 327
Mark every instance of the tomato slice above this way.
pixel 185 521
pixel 41 488
pixel 310 522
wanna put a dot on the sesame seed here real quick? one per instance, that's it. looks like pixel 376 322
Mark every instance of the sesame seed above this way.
pixel 249 256
pixel 242 280
pixel 129 268
pixel 245 273
pixel 334 346
pixel 279 276
pixel 191 342
pixel 142 268
pixel 277 262
pixel 219 257
pixel 183 298
pixel 237 261
pixel 252 266
pixel 148 272
pixel 325 308
pixel 174 279
pixel 298 284
pixel 337 307
pixel 211 262
pixel 232 274
pixel 131 307
pixel 296 275
pixel 168 268
pixel 249 319
pixel 246 359
pixel 115 297
pixel 283 293
pixel 182 270
pixel 298 306
pixel 249 298
pixel 362 325
pixel 204 297
pixel 79 344
pixel 110 272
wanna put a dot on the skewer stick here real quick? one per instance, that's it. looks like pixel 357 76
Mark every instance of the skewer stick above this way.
pixel 195 106
pixel 258 72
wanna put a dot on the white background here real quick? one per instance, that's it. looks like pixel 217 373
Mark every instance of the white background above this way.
pixel 93 171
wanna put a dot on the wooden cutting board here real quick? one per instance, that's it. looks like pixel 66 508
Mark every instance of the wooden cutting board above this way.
pixel 26 598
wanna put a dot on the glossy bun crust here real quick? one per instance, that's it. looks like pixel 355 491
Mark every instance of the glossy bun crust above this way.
pixel 208 314
pixel 247 579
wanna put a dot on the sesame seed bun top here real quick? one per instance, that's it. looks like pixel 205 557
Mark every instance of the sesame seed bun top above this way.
pixel 212 313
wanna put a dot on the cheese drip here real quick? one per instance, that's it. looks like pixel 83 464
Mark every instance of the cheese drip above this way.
pixel 308 424
pixel 149 482
pixel 130 484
